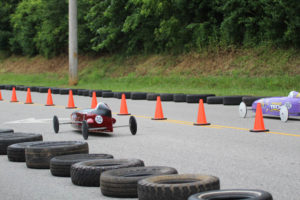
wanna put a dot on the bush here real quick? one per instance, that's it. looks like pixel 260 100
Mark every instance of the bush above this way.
pixel 26 23
pixel 146 26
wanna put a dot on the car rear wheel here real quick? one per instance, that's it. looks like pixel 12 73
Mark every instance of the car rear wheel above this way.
pixel 55 124
pixel 85 130
pixel 132 125
pixel 284 113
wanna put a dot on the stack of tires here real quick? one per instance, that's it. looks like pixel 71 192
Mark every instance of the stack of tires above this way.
pixel 123 178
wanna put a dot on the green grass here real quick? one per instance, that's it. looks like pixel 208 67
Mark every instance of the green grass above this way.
pixel 219 85
pixel 258 71
pixel 43 79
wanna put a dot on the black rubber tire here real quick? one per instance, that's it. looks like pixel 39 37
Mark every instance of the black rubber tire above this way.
pixel 123 182
pixel 88 173
pixel 9 139
pixel 175 187
pixel 55 90
pixel 43 89
pixel 232 194
pixel 166 97
pixel 214 100
pixel 132 125
pixel 232 100
pixel 85 130
pixel 16 152
pixel 79 92
pixel 106 91
pixel 138 95
pixel 86 93
pixel 98 93
pixel 61 165
pixel 249 100
pixel 23 88
pixel 194 98
pixel 39 155
pixel 152 96
pixel 6 131
pixel 179 98
pixel 2 87
pixel 63 91
pixel 74 91
pixel 119 95
pixel 116 94
pixel 33 88
pixel 9 87
pixel 20 87
pixel 55 124
pixel 107 94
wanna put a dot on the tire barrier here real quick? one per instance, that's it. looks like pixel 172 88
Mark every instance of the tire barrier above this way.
pixel 61 165
pixel 98 93
pixel 232 194
pixel 39 155
pixel 79 92
pixel 16 152
pixel 249 100
pixel 9 139
pixel 123 182
pixel 86 93
pixel 6 131
pixel 55 90
pixel 74 91
pixel 152 96
pixel 232 100
pixel 9 87
pixel 214 100
pixel 20 87
pixel 88 173
pixel 43 89
pixel 194 98
pixel 166 97
pixel 175 187
pixel 138 95
pixel 107 94
pixel 32 88
pixel 189 98
pixel 179 98
pixel 118 95
pixel 64 91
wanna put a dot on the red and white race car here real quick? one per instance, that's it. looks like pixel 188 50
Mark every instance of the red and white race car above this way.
pixel 94 120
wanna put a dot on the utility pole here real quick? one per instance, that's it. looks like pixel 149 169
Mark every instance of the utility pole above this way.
pixel 73 44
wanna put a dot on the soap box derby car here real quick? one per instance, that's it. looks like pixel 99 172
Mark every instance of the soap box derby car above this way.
pixel 94 120
pixel 276 106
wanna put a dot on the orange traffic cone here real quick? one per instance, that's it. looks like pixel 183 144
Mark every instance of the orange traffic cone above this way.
pixel 201 120
pixel 1 96
pixel 94 100
pixel 123 108
pixel 14 96
pixel 158 111
pixel 71 104
pixel 259 125
pixel 28 98
pixel 49 99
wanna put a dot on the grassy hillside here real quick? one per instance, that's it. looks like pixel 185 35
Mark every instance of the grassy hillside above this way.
pixel 255 71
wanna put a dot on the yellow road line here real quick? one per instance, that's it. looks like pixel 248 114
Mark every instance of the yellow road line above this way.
pixel 286 134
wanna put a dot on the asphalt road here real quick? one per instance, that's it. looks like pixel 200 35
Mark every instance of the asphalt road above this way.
pixel 226 149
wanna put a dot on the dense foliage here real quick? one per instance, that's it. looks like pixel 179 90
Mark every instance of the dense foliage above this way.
pixel 33 27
